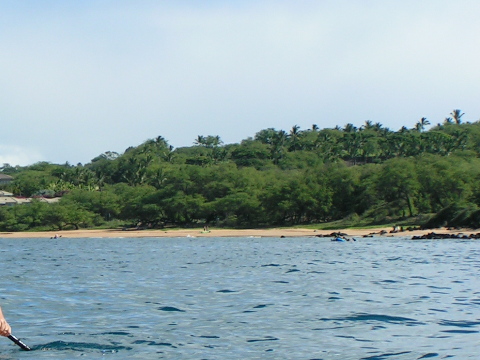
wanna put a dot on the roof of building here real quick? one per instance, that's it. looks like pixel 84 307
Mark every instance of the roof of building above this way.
pixel 7 200
pixel 49 200
pixel 10 200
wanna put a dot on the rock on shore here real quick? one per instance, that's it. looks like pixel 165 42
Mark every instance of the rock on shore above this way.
pixel 435 236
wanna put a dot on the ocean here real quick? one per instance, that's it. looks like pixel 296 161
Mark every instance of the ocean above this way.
pixel 241 298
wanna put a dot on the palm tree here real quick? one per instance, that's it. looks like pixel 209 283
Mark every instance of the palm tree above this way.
pixel 212 141
pixel 200 140
pixel 461 140
pixel 353 143
pixel 276 146
pixel 280 137
pixel 457 115
pixel 424 121
pixel 294 136
pixel 350 128
pixel 368 125
pixel 160 144
pixel 385 131
pixel 217 141
pixel 168 154
pixel 420 126
pixel 135 169
pixel 377 126
pixel 327 147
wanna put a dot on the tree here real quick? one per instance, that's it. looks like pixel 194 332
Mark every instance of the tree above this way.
pixel 183 209
pixel 200 140
pixel 61 216
pixel 134 169
pixel 103 202
pixel 294 138
pixel 350 128
pixel 209 141
pixel 250 153
pixel 368 125
pixel 265 136
pixel 28 182
pixel 445 181
pixel 328 145
pixel 370 147
pixel 420 126
pixel 457 116
pixel 131 201
pixel 398 183
pixel 277 145
pixel 237 209
pixel 352 142
pixel 378 127
pixel 343 182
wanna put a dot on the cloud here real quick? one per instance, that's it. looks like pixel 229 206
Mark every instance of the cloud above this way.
pixel 16 155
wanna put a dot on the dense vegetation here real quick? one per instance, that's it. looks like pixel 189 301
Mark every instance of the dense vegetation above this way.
pixel 370 175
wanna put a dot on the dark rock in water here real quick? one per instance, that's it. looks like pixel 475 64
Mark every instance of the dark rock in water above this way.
pixel 435 236
pixel 333 234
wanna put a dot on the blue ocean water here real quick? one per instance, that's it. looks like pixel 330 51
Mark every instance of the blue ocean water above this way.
pixel 241 298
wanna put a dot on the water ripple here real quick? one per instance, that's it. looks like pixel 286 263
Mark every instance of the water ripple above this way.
pixel 459 323
pixel 376 317
pixel 170 308
pixel 241 298
pixel 78 346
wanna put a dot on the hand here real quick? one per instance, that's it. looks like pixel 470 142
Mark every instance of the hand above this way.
pixel 5 329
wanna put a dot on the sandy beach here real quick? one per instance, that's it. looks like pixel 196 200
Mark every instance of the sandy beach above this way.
pixel 274 232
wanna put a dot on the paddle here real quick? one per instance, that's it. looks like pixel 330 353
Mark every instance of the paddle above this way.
pixel 19 343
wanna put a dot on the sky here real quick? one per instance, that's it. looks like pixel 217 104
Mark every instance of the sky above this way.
pixel 79 78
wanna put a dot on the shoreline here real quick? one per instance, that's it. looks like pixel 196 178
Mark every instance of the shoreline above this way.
pixel 274 232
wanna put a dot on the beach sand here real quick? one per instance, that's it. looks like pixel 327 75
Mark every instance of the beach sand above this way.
pixel 275 232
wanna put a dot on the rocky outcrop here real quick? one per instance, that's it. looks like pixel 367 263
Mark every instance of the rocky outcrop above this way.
pixel 436 236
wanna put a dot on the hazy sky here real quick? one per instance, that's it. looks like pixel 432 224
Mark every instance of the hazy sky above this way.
pixel 78 78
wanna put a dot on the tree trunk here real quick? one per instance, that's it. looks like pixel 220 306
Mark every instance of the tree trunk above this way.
pixel 409 204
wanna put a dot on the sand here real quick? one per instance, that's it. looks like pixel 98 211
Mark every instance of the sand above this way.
pixel 275 232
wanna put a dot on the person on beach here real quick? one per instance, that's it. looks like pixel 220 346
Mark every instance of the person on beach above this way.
pixel 5 329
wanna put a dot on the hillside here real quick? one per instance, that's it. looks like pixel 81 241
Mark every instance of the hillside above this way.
pixel 368 175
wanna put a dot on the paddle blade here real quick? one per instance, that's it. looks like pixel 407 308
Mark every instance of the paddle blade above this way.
pixel 18 342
